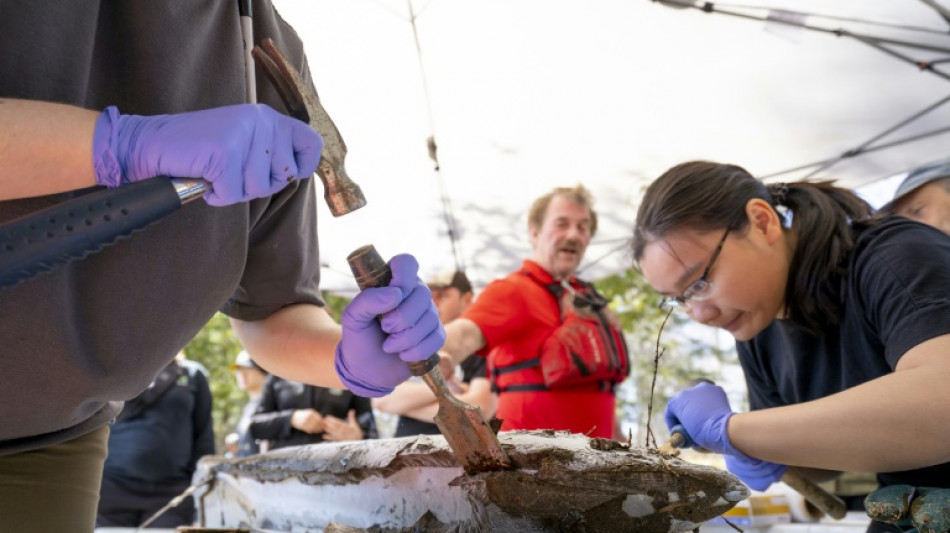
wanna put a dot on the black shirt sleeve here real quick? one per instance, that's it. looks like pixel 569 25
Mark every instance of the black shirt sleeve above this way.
pixel 269 421
pixel 902 276
pixel 474 366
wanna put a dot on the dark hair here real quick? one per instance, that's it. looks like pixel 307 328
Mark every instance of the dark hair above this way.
pixel 577 194
pixel 705 196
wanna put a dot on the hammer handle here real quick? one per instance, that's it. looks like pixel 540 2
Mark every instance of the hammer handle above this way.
pixel 74 229
pixel 823 500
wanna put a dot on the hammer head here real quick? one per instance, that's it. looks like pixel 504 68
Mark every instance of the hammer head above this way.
pixel 341 193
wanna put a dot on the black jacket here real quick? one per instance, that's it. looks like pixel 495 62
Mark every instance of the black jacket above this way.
pixel 280 398
pixel 162 440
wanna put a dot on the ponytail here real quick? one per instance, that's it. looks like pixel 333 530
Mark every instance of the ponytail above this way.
pixel 821 217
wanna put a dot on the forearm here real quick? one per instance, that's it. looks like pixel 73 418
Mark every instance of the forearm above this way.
pixel 296 343
pixel 45 148
pixel 462 338
pixel 480 395
pixel 888 424
pixel 406 397
pixel 425 413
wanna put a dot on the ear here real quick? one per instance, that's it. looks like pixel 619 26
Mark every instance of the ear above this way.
pixel 763 220
pixel 467 298
pixel 533 235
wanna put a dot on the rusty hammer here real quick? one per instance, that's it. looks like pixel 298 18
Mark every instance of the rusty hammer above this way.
pixel 340 192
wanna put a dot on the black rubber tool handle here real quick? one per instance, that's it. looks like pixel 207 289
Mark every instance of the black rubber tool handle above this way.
pixel 41 241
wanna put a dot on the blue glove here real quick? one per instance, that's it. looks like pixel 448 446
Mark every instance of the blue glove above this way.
pixel 371 363
pixel 244 151
pixel 704 412
pixel 755 473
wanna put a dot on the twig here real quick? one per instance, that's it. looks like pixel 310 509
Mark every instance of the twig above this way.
pixel 656 369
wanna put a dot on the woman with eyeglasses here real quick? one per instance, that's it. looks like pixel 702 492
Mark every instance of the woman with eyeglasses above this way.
pixel 841 321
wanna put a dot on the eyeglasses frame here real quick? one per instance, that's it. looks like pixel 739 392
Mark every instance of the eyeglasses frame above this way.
pixel 682 302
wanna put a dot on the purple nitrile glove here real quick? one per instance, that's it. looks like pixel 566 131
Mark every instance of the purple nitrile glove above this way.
pixel 244 151
pixel 704 412
pixel 755 473
pixel 372 355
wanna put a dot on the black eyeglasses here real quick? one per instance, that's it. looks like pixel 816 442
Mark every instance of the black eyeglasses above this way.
pixel 699 290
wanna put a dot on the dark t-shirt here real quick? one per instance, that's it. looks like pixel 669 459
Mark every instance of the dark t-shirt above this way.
pixel 896 296
pixel 472 367
pixel 281 397
pixel 79 340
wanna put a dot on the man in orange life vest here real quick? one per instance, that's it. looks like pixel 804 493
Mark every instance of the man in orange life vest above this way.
pixel 554 352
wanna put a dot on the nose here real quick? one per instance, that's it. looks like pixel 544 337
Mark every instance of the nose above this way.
pixel 577 233
pixel 703 312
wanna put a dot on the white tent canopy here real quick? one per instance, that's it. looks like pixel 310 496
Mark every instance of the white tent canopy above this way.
pixel 525 95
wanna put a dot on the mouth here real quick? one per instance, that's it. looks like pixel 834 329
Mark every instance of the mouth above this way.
pixel 733 324
pixel 569 249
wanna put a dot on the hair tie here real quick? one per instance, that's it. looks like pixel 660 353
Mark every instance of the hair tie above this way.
pixel 778 192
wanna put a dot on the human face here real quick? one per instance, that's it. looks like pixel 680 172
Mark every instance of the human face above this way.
pixel 559 244
pixel 250 379
pixel 450 302
pixel 929 204
pixel 748 277
pixel 699 290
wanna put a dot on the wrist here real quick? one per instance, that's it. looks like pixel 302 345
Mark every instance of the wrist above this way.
pixel 729 433
pixel 354 384
pixel 104 141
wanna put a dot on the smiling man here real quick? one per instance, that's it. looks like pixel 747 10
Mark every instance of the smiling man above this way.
pixel 517 323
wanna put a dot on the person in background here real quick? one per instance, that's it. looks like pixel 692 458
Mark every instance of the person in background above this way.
pixel 250 378
pixel 527 324
pixel 231 445
pixel 924 196
pixel 413 401
pixel 841 322
pixel 120 93
pixel 292 413
pixel 154 447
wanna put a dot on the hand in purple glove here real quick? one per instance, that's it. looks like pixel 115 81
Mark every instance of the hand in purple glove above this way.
pixel 755 473
pixel 244 151
pixel 704 412
pixel 369 362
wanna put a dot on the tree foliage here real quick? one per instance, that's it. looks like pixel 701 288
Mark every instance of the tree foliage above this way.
pixel 215 347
